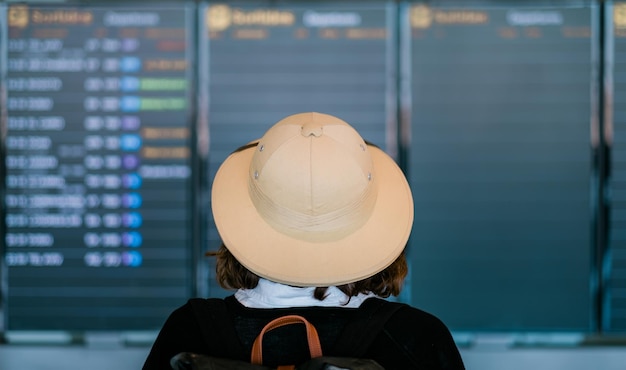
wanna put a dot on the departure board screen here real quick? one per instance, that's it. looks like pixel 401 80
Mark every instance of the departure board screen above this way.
pixel 269 60
pixel 615 300
pixel 501 165
pixel 98 165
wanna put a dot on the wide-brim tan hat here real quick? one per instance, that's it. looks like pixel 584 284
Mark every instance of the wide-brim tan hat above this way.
pixel 311 204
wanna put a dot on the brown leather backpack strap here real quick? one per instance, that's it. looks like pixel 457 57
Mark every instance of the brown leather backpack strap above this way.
pixel 315 348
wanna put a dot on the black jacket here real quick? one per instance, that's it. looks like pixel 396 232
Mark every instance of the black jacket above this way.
pixel 410 338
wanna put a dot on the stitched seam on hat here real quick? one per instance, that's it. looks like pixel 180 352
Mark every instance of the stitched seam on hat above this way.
pixel 312 175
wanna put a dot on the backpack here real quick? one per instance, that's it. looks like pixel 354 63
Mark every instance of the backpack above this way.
pixel 355 339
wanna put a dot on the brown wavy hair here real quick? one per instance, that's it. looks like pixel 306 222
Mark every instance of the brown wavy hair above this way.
pixel 231 274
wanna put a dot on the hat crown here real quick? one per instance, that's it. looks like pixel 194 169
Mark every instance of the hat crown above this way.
pixel 311 178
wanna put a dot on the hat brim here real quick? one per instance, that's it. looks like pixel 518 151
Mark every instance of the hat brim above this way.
pixel 280 258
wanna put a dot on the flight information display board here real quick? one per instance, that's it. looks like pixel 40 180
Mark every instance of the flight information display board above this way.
pixel 268 60
pixel 501 165
pixel 615 300
pixel 98 165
